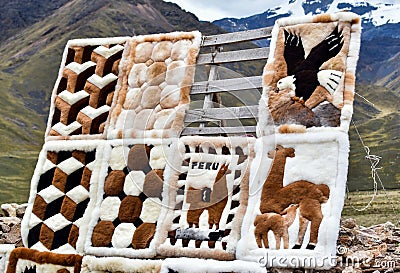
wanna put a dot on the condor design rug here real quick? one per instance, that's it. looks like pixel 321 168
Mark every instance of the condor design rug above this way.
pixel 309 78
pixel 208 200
pixel 84 90
pixel 157 72
pixel 127 212
pixel 64 179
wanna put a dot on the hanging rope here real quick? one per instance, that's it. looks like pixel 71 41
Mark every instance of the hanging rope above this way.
pixel 374 161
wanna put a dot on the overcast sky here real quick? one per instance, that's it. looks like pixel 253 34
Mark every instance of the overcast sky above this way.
pixel 211 10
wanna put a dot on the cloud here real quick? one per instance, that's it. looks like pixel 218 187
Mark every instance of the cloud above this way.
pixel 211 10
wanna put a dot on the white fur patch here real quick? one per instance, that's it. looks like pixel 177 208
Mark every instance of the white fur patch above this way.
pixel 66 130
pixel 118 157
pixel 150 210
pixel 158 158
pixel 79 68
pixel 70 165
pixel 95 112
pixel 57 222
pixel 50 194
pixel 101 82
pixel 109 208
pixel 108 52
pixel 133 184
pixel 78 194
pixel 123 234
pixel 72 98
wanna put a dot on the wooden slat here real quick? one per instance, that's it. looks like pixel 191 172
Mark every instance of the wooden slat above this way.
pixel 234 56
pixel 227 85
pixel 212 114
pixel 218 130
pixel 236 37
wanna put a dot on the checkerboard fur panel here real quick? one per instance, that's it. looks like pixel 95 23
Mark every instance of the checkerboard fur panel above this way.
pixel 65 178
pixel 127 213
pixel 207 197
pixel 84 89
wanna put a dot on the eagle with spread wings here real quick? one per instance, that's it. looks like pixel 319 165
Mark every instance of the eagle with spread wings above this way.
pixel 304 73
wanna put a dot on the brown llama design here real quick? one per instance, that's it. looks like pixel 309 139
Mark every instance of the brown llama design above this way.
pixel 214 201
pixel 279 225
pixel 309 196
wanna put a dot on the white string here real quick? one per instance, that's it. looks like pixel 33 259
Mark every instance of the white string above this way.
pixel 374 161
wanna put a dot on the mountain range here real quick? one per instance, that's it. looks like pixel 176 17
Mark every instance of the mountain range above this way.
pixel 33 34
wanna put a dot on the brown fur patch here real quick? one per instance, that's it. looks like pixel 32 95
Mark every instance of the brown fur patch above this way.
pixel 73 236
pixel 68 208
pixel 39 207
pixel 156 73
pixel 52 156
pixel 130 209
pixel 86 175
pixel 143 235
pixel 46 236
pixel 102 234
pixel 114 183
pixel 59 179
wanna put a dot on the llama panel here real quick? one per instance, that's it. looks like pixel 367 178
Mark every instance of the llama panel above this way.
pixel 130 197
pixel 157 73
pixel 84 90
pixel 295 200
pixel 61 188
pixel 207 202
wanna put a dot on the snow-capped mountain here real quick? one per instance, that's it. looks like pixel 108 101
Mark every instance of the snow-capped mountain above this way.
pixel 375 12
pixel 380 21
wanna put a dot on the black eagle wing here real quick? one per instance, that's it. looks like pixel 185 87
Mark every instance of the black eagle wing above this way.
pixel 322 52
pixel 293 53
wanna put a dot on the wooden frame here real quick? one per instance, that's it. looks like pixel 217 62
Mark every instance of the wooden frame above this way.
pixel 213 87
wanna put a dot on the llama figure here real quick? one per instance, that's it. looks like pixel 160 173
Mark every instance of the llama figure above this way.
pixel 215 204
pixel 279 224
pixel 309 196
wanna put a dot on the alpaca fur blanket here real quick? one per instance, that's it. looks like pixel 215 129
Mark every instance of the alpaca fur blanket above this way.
pixel 303 146
pixel 205 207
pixel 156 75
pixel 324 108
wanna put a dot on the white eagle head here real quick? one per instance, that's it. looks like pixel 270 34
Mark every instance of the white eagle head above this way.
pixel 286 82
